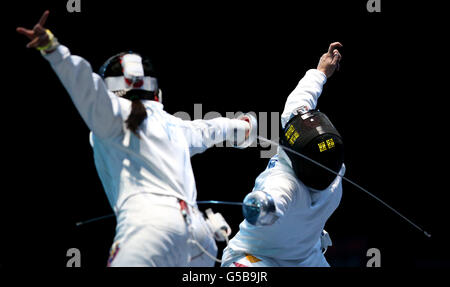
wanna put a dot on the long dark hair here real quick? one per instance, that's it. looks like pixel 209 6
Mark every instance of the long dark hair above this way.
pixel 138 111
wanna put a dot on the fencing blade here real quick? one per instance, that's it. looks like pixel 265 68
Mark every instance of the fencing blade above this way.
pixel 349 181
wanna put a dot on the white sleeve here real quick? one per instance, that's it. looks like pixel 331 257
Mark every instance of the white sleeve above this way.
pixel 98 107
pixel 283 191
pixel 203 134
pixel 306 94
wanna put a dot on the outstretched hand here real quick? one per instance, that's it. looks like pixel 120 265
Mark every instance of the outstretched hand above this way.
pixel 329 61
pixel 38 36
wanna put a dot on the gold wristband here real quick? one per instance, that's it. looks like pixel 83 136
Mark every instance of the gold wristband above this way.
pixel 51 46
pixel 51 37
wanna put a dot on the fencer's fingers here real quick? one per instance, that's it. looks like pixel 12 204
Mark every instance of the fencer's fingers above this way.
pixel 336 59
pixel 337 52
pixel 333 46
pixel 39 30
pixel 26 32
pixel 33 43
pixel 44 18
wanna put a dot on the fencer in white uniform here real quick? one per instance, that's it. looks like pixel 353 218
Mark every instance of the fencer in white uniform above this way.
pixel 294 235
pixel 147 176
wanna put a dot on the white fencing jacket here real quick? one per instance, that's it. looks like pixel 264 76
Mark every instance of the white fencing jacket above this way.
pixel 294 239
pixel 158 162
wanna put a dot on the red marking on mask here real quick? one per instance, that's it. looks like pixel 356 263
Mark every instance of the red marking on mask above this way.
pixel 136 84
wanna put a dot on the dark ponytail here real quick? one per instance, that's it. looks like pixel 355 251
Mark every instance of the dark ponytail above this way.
pixel 138 111
pixel 137 116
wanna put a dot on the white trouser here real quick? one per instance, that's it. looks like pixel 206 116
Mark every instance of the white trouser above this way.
pixel 151 231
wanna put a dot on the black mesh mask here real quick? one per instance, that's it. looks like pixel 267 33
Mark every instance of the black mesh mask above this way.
pixel 312 134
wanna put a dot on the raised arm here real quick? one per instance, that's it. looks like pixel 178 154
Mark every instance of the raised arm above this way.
pixel 310 86
pixel 98 107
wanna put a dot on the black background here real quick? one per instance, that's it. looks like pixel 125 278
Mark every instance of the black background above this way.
pixel 230 56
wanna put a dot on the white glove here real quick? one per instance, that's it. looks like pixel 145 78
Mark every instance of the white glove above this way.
pixel 243 142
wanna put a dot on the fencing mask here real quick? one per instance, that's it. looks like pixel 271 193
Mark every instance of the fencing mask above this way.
pixel 130 75
pixel 312 134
